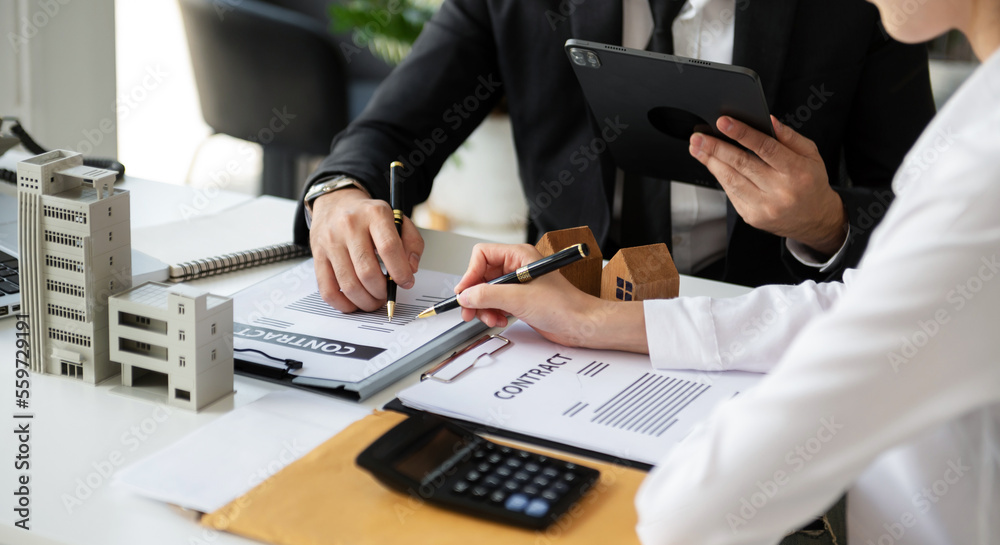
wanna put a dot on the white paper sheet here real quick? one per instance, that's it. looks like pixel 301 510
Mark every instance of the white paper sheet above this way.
pixel 234 453
pixel 285 317
pixel 605 401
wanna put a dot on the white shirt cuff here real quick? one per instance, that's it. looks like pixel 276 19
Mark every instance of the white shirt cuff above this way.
pixel 681 334
pixel 808 257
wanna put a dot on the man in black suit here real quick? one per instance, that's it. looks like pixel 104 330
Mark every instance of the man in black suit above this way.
pixel 852 100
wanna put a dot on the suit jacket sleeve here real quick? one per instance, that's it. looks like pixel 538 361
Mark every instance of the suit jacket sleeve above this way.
pixel 891 107
pixel 423 111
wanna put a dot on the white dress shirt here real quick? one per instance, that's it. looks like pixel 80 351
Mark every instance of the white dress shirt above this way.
pixel 704 29
pixel 887 386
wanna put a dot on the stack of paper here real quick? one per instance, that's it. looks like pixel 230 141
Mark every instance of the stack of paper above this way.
pixel 609 402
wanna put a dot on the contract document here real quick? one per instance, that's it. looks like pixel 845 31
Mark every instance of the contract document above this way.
pixel 284 317
pixel 610 402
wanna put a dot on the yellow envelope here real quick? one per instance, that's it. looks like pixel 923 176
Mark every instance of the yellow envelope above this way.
pixel 324 499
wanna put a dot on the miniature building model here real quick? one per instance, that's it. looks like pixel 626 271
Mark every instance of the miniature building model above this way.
pixel 75 251
pixel 640 273
pixel 584 274
pixel 180 332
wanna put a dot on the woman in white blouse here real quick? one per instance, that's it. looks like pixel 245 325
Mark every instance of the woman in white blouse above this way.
pixel 886 386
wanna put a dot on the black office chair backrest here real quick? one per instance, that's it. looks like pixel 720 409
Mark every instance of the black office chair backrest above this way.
pixel 267 74
pixel 362 65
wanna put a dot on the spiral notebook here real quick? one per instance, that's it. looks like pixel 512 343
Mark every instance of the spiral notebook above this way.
pixel 208 250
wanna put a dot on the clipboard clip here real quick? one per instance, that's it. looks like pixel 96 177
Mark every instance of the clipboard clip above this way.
pixel 463 361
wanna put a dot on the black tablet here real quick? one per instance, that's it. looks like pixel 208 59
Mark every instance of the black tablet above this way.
pixel 662 100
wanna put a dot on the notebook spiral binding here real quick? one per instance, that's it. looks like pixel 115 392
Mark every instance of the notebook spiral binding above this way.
pixel 201 268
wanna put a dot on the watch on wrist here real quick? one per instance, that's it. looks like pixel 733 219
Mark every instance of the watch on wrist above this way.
pixel 329 186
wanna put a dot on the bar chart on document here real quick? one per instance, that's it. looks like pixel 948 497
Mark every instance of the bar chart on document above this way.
pixel 609 402
pixel 286 318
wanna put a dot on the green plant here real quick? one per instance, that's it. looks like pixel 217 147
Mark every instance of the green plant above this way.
pixel 387 27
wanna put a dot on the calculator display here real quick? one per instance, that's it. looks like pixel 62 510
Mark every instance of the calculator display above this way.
pixel 442 446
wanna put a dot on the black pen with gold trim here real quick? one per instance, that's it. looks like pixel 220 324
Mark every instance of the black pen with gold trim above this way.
pixel 522 275
pixel 396 202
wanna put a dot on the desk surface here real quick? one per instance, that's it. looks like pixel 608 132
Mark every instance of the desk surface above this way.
pixel 81 434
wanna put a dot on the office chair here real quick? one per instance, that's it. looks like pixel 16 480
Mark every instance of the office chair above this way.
pixel 271 73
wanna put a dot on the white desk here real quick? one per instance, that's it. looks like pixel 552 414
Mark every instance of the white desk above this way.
pixel 79 430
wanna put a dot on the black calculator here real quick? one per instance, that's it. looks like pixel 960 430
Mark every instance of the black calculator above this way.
pixel 442 463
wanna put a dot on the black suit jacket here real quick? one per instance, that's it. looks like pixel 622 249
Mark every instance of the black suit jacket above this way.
pixel 827 68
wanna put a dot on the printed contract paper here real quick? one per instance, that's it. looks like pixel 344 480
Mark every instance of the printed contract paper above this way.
pixel 609 402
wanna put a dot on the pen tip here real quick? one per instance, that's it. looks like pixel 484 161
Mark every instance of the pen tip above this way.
pixel 426 313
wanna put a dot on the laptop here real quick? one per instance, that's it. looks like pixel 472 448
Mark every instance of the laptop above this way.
pixel 145 268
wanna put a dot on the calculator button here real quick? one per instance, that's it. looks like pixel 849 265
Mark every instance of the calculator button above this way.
pixel 473 476
pixel 541 481
pixel 550 495
pixel 569 477
pixel 513 462
pixel 498 496
pixel 550 472
pixel 569 466
pixel 492 481
pixel 478 455
pixel 504 450
pixel 461 487
pixel 505 471
pixel 537 508
pixel 517 503
pixel 484 467
pixel 523 454
pixel 560 488
pixel 480 491
pixel 489 446
pixel 522 476
pixel 512 485
pixel 494 458
pixel 532 467
pixel 531 490
pixel 542 459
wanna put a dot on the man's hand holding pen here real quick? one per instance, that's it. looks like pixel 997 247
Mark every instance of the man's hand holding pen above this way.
pixel 350 231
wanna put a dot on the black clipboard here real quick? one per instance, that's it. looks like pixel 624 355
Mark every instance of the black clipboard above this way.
pixel 359 391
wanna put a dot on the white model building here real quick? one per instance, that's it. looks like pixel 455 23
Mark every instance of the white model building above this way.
pixel 178 331
pixel 75 250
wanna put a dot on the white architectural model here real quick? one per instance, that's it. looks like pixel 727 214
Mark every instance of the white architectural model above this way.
pixel 180 332
pixel 75 250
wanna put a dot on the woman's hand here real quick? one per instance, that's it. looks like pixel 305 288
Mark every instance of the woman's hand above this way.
pixel 550 304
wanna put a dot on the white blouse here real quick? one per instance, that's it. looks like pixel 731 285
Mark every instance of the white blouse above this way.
pixel 886 386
